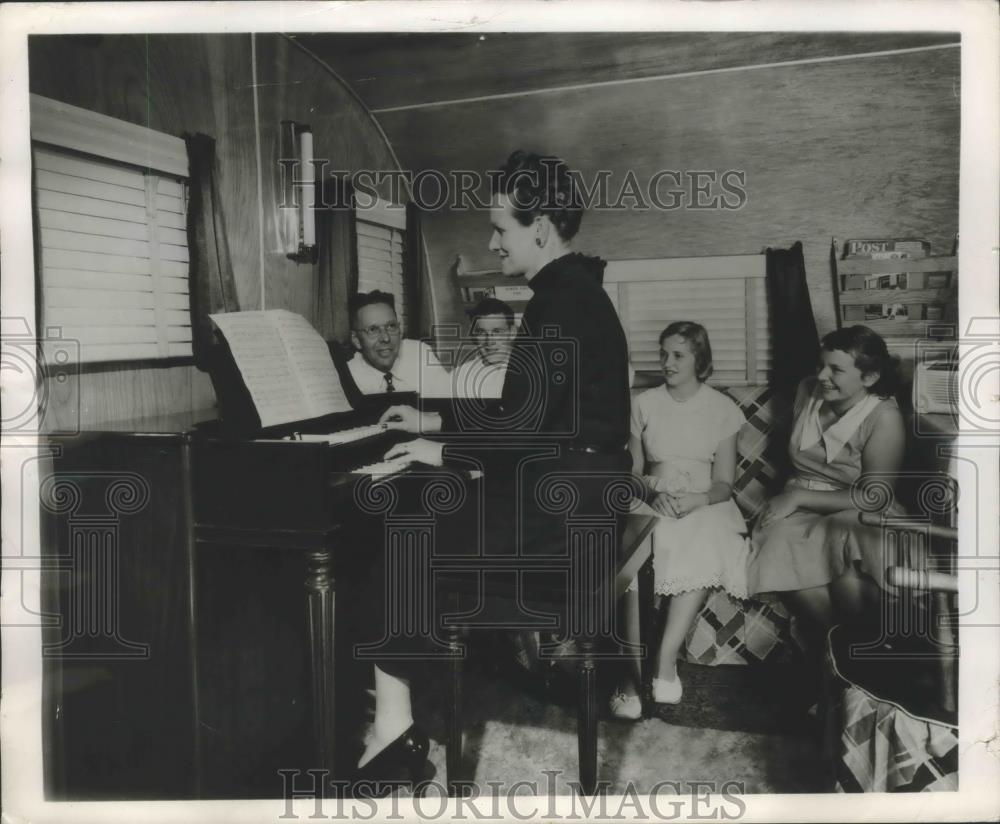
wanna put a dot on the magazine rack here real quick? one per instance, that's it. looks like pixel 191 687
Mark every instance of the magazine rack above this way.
pixel 896 288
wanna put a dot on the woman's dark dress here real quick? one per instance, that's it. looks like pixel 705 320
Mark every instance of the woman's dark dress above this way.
pixel 553 456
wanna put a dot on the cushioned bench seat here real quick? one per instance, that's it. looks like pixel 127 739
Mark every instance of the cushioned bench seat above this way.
pixel 730 631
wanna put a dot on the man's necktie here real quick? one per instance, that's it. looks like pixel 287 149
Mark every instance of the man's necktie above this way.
pixel 388 382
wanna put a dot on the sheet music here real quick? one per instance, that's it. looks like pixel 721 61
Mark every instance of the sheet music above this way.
pixel 285 365
pixel 260 355
pixel 310 359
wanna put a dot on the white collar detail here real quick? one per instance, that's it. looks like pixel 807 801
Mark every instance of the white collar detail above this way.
pixel 840 431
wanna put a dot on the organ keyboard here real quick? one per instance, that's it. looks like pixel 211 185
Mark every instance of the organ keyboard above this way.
pixel 295 479
pixel 385 469
pixel 355 433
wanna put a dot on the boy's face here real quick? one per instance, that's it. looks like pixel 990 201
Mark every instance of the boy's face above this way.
pixel 494 335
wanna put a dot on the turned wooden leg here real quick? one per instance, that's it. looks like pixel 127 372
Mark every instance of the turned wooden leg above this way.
pixel 320 589
pixel 453 754
pixel 647 616
pixel 944 640
pixel 586 721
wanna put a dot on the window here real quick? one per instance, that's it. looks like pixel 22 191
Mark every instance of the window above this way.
pixel 111 207
pixel 724 294
pixel 381 245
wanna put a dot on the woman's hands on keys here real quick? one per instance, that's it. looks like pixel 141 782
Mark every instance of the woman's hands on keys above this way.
pixel 421 450
pixel 408 419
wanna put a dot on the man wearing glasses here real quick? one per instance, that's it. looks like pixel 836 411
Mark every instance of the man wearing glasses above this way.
pixel 481 376
pixel 385 362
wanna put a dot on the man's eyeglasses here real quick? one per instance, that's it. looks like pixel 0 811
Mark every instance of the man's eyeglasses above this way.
pixel 375 330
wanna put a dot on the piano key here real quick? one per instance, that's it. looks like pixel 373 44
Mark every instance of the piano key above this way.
pixel 343 436
pixel 385 469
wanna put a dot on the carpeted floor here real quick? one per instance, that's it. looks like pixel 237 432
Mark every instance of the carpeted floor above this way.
pixel 735 724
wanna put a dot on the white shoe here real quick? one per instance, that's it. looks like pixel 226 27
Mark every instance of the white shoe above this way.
pixel 667 692
pixel 627 707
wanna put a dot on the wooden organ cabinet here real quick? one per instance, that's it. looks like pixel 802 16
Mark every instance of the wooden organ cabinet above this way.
pixel 192 577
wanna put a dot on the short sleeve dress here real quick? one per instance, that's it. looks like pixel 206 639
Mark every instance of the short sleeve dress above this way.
pixel 810 549
pixel 707 548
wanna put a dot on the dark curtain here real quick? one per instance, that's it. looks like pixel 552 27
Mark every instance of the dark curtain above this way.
pixel 414 270
pixel 337 262
pixel 795 347
pixel 795 340
pixel 212 286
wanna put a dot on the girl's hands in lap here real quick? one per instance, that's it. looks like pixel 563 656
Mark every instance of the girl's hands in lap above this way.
pixel 778 508
pixel 677 506
pixel 663 504
pixel 687 502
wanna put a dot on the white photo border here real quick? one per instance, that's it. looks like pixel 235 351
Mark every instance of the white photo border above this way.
pixel 20 715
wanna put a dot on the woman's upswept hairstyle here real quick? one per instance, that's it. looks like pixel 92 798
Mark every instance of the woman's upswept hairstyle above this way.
pixel 540 185
pixel 697 339
pixel 870 355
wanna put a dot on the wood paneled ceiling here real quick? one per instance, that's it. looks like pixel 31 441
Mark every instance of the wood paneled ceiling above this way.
pixel 391 70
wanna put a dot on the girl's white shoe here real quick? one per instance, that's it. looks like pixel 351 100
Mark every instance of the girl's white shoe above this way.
pixel 627 707
pixel 667 692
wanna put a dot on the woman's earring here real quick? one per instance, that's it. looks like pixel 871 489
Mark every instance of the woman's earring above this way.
pixel 538 242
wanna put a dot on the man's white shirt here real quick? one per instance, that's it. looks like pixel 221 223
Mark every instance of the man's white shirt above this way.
pixel 417 369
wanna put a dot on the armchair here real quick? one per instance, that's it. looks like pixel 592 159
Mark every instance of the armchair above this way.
pixel 893 724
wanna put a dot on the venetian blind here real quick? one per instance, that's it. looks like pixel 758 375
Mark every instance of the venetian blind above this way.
pixel 724 294
pixel 111 205
pixel 381 233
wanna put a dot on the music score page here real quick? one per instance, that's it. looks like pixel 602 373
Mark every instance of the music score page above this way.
pixel 285 364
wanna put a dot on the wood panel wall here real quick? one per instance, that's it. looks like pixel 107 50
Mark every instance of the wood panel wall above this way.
pixel 851 147
pixel 462 65
pixel 205 83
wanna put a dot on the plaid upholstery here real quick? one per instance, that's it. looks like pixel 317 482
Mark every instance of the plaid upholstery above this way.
pixel 759 453
pixel 890 730
pixel 884 749
pixel 729 631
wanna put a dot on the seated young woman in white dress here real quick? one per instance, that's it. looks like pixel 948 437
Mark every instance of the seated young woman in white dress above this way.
pixel 683 437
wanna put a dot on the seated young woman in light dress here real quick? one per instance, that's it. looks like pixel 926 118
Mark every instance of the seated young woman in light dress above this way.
pixel 809 545
pixel 683 434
